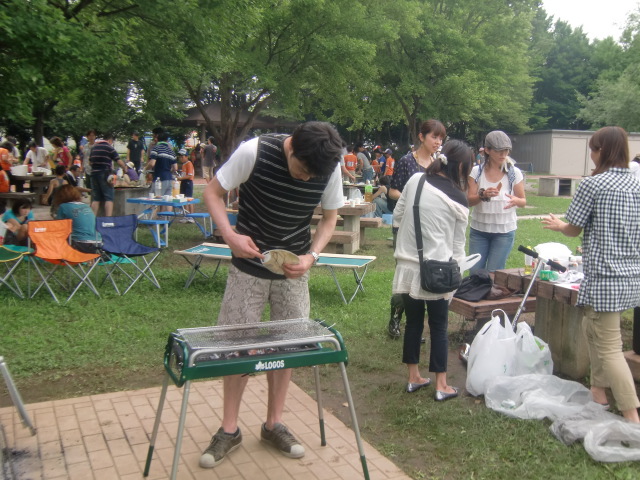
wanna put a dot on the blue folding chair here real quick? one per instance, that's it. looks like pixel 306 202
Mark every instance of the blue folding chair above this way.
pixel 126 256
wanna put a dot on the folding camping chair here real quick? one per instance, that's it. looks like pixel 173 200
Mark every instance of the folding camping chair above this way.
pixel 11 260
pixel 51 239
pixel 117 241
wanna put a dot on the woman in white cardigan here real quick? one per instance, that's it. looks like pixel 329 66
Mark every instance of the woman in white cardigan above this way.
pixel 443 218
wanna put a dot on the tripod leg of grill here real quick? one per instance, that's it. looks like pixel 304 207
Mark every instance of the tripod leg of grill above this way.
pixel 354 420
pixel 323 439
pixel 156 425
pixel 183 416
pixel 15 396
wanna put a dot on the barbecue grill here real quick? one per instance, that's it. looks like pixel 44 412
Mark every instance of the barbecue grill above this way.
pixel 206 352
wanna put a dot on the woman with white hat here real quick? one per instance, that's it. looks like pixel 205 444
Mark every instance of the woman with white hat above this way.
pixel 496 188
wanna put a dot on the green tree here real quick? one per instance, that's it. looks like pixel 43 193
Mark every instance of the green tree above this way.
pixel 292 55
pixel 615 97
pixel 87 60
pixel 464 62
pixel 567 73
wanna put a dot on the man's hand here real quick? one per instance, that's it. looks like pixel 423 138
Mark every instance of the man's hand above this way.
pixel 242 246
pixel 298 270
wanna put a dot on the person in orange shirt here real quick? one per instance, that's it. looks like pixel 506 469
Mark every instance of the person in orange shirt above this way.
pixel 350 162
pixel 4 182
pixel 186 181
pixel 389 162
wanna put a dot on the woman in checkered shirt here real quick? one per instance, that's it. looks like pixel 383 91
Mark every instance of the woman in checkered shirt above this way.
pixel 606 207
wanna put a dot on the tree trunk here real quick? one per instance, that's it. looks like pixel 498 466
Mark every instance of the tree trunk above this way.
pixel 38 128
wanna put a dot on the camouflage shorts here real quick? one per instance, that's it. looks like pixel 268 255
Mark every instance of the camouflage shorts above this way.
pixel 246 296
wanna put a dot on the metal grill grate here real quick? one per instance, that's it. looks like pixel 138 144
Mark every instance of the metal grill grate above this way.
pixel 238 336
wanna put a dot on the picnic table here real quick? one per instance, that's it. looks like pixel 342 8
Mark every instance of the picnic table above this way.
pixel 37 184
pixel 351 223
pixel 160 227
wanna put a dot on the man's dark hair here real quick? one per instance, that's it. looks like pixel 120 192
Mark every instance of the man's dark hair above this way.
pixel 60 169
pixel 163 136
pixel 157 130
pixel 32 143
pixel 73 168
pixel 211 139
pixel 108 136
pixel 318 146
pixel 89 132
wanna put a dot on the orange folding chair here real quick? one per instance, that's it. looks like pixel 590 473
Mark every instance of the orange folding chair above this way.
pixel 51 240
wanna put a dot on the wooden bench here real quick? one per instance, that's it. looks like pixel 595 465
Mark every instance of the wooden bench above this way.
pixel 365 222
pixel 14 195
pixel 340 240
pixel 481 310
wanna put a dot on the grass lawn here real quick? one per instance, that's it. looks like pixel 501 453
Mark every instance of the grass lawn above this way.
pixel 112 343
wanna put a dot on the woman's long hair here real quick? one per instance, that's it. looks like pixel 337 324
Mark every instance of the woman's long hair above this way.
pixel 613 145
pixel 458 165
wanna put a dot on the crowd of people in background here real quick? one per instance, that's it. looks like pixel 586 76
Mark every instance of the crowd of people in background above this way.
pixel 93 174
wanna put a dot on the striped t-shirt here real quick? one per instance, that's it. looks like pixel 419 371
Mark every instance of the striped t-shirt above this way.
pixel 102 157
pixel 275 209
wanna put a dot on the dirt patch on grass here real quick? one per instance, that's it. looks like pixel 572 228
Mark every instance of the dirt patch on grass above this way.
pixel 54 386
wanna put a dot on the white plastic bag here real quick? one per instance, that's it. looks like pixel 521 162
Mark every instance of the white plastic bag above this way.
pixel 536 396
pixel 491 354
pixel 613 441
pixel 532 354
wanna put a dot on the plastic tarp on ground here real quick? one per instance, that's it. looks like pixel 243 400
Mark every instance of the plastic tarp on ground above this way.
pixel 606 437
pixel 536 396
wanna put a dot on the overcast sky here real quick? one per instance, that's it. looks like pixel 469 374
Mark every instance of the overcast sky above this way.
pixel 598 19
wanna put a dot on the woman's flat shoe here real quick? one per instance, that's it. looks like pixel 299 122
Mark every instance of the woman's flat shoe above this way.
pixel 442 396
pixel 414 387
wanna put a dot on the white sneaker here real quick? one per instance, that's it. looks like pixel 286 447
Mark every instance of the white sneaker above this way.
pixel 184 220
pixel 190 220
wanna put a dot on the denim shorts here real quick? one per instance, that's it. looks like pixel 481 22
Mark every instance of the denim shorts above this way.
pixel 101 190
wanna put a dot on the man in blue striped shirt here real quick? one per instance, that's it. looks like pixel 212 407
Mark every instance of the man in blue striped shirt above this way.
pixel 101 161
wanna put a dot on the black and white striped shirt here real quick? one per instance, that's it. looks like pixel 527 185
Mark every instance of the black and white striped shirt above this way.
pixel 275 209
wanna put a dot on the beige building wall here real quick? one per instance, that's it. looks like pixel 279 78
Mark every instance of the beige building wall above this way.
pixel 560 152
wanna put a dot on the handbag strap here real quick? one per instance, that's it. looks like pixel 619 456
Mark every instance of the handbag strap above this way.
pixel 416 216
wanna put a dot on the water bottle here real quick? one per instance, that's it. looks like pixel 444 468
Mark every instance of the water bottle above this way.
pixel 158 187
pixel 368 192
pixel 528 264
pixel 175 191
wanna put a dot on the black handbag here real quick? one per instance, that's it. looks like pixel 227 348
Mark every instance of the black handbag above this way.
pixel 436 276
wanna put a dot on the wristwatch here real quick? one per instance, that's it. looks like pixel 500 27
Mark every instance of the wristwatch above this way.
pixel 315 256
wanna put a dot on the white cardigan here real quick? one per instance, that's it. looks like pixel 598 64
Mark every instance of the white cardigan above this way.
pixel 443 224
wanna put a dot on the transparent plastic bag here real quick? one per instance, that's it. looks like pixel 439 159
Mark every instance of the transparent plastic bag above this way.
pixel 491 354
pixel 532 354
pixel 536 396
pixel 613 441
pixel 574 428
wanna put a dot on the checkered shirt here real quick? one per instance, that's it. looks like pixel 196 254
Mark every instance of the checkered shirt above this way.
pixel 607 207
